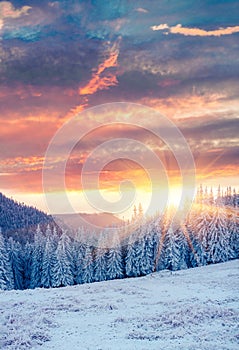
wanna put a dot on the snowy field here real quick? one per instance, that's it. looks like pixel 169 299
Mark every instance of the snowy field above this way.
pixel 188 309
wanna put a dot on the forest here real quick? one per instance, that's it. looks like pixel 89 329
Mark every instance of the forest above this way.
pixel 208 234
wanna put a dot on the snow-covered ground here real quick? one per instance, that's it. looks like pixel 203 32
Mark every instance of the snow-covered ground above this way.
pixel 188 309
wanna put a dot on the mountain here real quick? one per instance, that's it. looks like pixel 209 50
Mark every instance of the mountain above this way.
pixel 184 310
pixel 19 220
pixel 74 221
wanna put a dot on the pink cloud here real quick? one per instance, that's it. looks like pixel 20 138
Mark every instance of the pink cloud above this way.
pixel 7 10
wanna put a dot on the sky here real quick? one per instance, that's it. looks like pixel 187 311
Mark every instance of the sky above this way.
pixel 59 59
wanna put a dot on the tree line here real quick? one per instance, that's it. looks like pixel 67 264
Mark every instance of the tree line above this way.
pixel 208 234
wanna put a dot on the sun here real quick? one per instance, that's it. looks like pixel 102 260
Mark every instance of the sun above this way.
pixel 165 198
pixel 175 195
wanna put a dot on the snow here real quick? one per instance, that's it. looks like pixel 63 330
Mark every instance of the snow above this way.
pixel 188 309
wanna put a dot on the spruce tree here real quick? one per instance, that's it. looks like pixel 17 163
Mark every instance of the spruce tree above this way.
pixel 181 238
pixel 196 256
pixel 49 261
pixel 37 257
pixel 148 254
pixel 100 269
pixel 79 256
pixel 63 265
pixel 16 262
pixel 200 226
pixel 233 230
pixel 172 250
pixel 88 266
pixel 219 249
pixel 27 271
pixel 6 273
pixel 133 255
pixel 115 258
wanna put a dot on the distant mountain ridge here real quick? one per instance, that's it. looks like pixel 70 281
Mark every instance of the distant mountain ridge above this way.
pixel 76 220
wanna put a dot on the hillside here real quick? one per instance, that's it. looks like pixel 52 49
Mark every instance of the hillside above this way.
pixel 184 310
pixel 20 220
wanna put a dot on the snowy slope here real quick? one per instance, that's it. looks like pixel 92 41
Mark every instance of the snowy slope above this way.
pixel 188 309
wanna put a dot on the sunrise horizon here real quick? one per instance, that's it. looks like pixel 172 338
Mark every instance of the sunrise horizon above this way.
pixel 109 69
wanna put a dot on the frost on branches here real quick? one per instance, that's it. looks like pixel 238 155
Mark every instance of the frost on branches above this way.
pixel 209 234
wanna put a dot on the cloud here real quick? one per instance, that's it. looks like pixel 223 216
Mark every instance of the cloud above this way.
pixel 160 27
pixel 98 80
pixel 142 10
pixel 7 174
pixel 7 10
pixel 44 62
pixel 179 29
pixel 75 64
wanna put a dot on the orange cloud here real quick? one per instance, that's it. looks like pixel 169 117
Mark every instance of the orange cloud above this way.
pixel 99 82
pixel 179 29
pixel 219 173
pixel 34 162
pixel 75 110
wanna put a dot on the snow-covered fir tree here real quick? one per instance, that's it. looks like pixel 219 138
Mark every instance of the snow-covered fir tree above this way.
pixel 134 255
pixel 196 256
pixel 165 222
pixel 88 266
pixel 219 249
pixel 100 261
pixel 200 226
pixel 27 261
pixel 235 199
pixel 233 231
pixel 155 230
pixel 37 258
pixel 100 268
pixel 63 264
pixel 79 249
pixel 6 274
pixel 209 234
pixel 49 260
pixel 115 267
pixel 149 250
pixel 16 262
pixel 171 250
pixel 182 241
